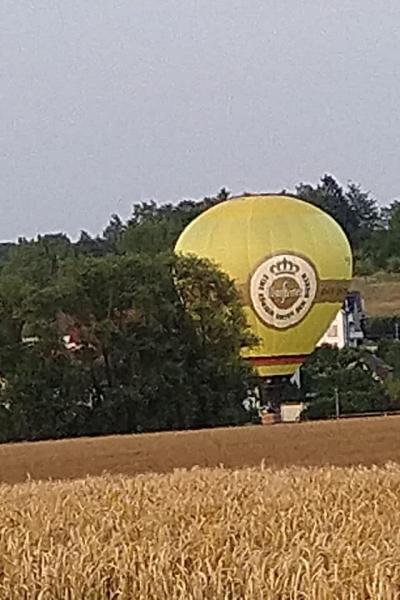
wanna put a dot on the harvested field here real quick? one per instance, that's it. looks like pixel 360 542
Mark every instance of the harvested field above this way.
pixel 343 443
pixel 381 294
pixel 251 534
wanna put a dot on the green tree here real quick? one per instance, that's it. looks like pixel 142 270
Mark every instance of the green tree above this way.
pixel 385 244
pixel 355 210
pixel 153 229
pixel 367 214
pixel 113 234
pixel 159 342
pixel 329 196
pixel 389 351
pixel 89 246
pixel 330 371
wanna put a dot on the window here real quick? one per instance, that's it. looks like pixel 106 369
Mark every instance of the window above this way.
pixel 333 331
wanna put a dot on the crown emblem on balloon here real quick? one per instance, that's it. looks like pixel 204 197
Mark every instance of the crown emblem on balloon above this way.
pixel 284 267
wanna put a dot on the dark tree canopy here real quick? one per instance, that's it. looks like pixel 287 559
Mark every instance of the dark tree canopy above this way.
pixel 157 345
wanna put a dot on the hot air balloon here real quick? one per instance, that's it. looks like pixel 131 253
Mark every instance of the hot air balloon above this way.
pixel 291 263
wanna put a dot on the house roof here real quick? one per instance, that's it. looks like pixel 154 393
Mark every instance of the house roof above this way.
pixel 377 365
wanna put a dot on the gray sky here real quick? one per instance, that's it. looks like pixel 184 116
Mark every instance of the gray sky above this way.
pixel 108 102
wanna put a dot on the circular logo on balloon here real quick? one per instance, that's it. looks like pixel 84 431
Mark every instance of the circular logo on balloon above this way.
pixel 283 289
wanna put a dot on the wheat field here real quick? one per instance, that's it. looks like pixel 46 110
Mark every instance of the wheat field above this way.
pixel 215 534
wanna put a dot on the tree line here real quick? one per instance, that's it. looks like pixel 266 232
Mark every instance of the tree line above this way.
pixel 373 231
pixel 115 334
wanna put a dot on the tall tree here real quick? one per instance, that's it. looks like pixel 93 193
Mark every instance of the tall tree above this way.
pixel 366 213
pixel 330 371
pixel 157 343
pixel 329 196
pixel 356 211
pixel 153 229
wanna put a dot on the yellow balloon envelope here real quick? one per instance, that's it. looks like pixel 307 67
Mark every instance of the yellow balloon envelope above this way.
pixel 291 263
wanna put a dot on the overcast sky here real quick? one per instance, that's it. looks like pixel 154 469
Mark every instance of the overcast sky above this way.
pixel 107 102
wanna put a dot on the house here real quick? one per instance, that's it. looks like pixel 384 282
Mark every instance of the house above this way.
pixel 346 330
pixel 379 368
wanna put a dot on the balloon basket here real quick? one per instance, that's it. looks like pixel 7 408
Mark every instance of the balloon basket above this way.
pixel 275 391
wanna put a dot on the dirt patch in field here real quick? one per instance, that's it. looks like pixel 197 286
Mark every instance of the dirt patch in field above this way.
pixel 362 441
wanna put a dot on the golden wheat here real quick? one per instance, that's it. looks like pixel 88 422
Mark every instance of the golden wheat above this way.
pixel 205 534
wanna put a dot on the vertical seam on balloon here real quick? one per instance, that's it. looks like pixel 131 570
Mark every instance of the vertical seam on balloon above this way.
pixel 274 336
pixel 287 225
pixel 250 219
pixel 327 237
pixel 329 242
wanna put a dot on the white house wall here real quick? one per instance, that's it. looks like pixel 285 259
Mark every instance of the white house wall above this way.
pixel 336 333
